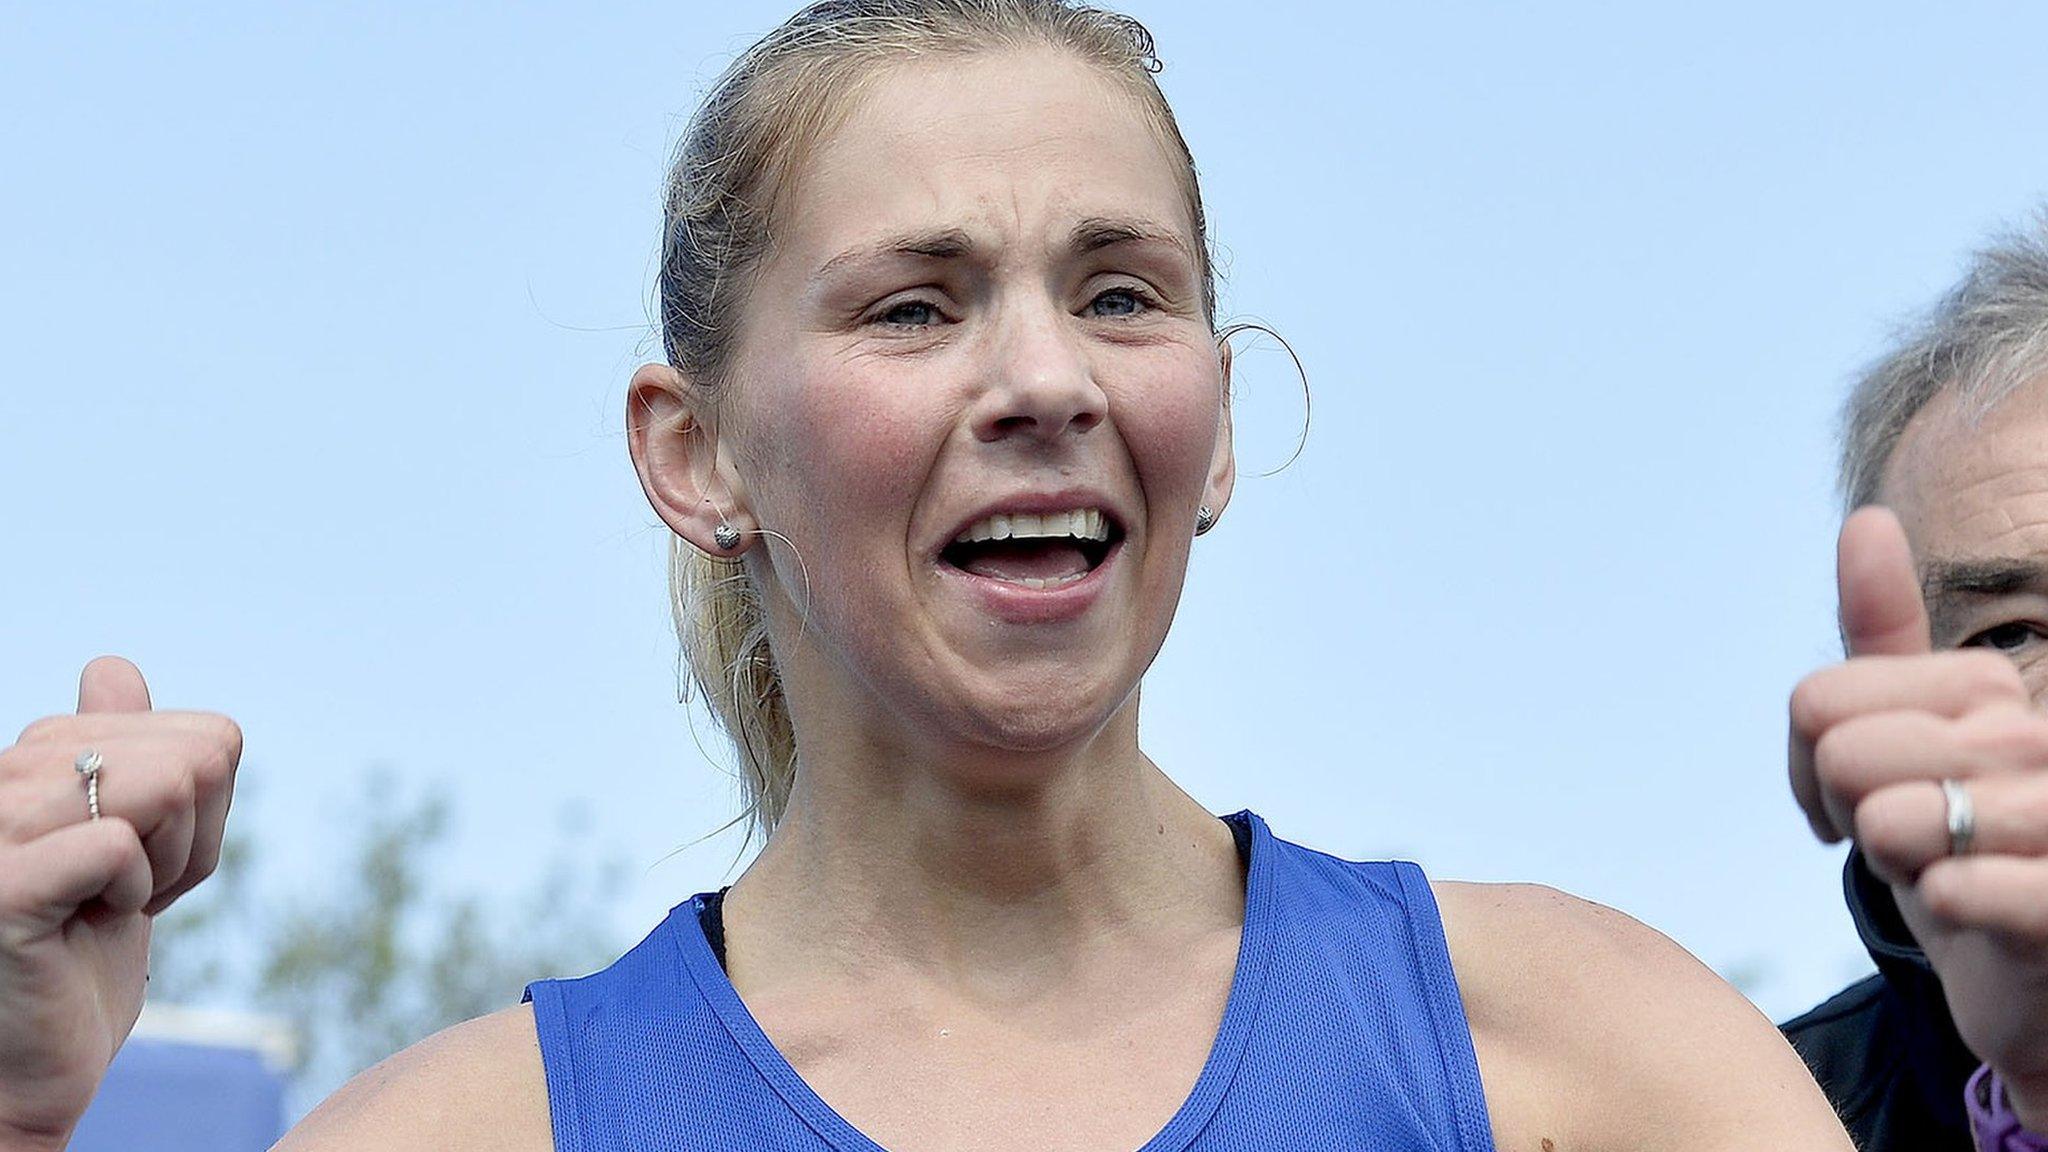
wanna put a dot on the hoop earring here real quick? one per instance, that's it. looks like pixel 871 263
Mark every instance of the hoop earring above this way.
pixel 1204 520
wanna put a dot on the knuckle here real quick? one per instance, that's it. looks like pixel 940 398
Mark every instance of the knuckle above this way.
pixel 212 744
pixel 1883 822
pixel 124 839
pixel 17 762
pixel 16 827
pixel 204 860
pixel 182 793
pixel 158 793
pixel 1990 675
pixel 1837 755
pixel 46 729
pixel 1941 890
pixel 1811 707
pixel 2028 808
pixel 228 738
pixel 2027 920
pixel 2009 736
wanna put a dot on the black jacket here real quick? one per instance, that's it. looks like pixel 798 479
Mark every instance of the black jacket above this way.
pixel 1885 1049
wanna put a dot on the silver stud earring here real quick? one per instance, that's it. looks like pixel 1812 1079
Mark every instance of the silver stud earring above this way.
pixel 1204 519
pixel 725 536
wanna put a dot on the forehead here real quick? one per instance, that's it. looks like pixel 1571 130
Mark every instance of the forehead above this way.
pixel 1968 485
pixel 1015 142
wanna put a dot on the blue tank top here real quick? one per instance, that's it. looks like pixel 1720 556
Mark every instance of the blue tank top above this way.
pixel 1343 1030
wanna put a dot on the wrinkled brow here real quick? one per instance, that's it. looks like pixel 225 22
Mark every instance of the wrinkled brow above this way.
pixel 1951 586
pixel 1090 235
pixel 1103 232
pixel 931 244
pixel 1994 577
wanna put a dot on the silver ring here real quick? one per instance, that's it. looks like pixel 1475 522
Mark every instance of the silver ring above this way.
pixel 1960 815
pixel 88 767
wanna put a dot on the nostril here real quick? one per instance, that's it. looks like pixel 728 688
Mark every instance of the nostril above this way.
pixel 1012 425
pixel 1084 421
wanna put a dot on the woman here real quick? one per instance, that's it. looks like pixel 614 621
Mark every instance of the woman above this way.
pixel 943 412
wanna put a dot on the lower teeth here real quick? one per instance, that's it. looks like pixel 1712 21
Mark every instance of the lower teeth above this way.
pixel 1046 582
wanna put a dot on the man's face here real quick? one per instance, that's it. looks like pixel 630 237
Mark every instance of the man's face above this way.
pixel 1973 496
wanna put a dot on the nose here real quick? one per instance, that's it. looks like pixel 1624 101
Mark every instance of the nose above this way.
pixel 1040 383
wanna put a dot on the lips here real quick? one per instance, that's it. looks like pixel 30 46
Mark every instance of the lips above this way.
pixel 1036 550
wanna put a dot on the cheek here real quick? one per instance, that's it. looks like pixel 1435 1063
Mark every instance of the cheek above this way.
pixel 848 460
pixel 1170 417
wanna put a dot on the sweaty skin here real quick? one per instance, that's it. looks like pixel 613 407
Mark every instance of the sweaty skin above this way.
pixel 936 329
pixel 984 297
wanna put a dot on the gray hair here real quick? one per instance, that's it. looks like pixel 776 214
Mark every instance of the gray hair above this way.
pixel 1984 340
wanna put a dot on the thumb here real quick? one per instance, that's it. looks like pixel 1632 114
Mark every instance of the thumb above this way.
pixel 111 684
pixel 1882 614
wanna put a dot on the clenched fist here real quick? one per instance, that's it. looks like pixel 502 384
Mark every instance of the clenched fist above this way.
pixel 1874 737
pixel 77 894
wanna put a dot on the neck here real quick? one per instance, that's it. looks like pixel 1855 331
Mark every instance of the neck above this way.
pixel 916 860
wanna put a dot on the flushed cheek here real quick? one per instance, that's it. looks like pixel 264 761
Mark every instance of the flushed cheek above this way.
pixel 844 470
pixel 1171 426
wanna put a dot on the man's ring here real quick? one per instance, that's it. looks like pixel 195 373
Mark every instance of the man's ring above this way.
pixel 1961 817
pixel 88 766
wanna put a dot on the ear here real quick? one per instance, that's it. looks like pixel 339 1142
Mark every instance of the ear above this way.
pixel 688 477
pixel 1223 465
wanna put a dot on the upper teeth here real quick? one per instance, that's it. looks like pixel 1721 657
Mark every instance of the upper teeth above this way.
pixel 1081 523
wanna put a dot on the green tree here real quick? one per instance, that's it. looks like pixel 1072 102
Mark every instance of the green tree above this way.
pixel 386 955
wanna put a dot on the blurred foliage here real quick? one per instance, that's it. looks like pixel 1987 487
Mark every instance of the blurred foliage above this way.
pixel 1751 975
pixel 388 953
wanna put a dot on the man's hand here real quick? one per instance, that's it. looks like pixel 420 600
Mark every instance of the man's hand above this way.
pixel 77 894
pixel 1872 739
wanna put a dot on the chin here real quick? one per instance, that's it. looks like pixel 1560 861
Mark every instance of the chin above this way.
pixel 1037 717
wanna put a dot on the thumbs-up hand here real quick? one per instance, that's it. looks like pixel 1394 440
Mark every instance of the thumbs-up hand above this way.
pixel 1874 737
pixel 77 892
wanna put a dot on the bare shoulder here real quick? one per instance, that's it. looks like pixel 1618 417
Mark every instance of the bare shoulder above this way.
pixel 1594 1030
pixel 1513 938
pixel 478 1085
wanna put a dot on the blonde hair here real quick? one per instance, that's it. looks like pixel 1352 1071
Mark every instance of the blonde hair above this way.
pixel 734 166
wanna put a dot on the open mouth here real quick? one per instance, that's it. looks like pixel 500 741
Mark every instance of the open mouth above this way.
pixel 1035 550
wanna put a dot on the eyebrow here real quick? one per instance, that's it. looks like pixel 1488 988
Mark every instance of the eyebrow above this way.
pixel 1949 586
pixel 1090 235
pixel 929 244
pixel 1098 232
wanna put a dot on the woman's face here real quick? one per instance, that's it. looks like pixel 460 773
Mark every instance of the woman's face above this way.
pixel 982 314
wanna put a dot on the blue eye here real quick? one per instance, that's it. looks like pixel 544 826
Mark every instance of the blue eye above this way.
pixel 911 314
pixel 1117 302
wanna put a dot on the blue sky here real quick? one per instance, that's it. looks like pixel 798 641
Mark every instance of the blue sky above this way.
pixel 317 323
